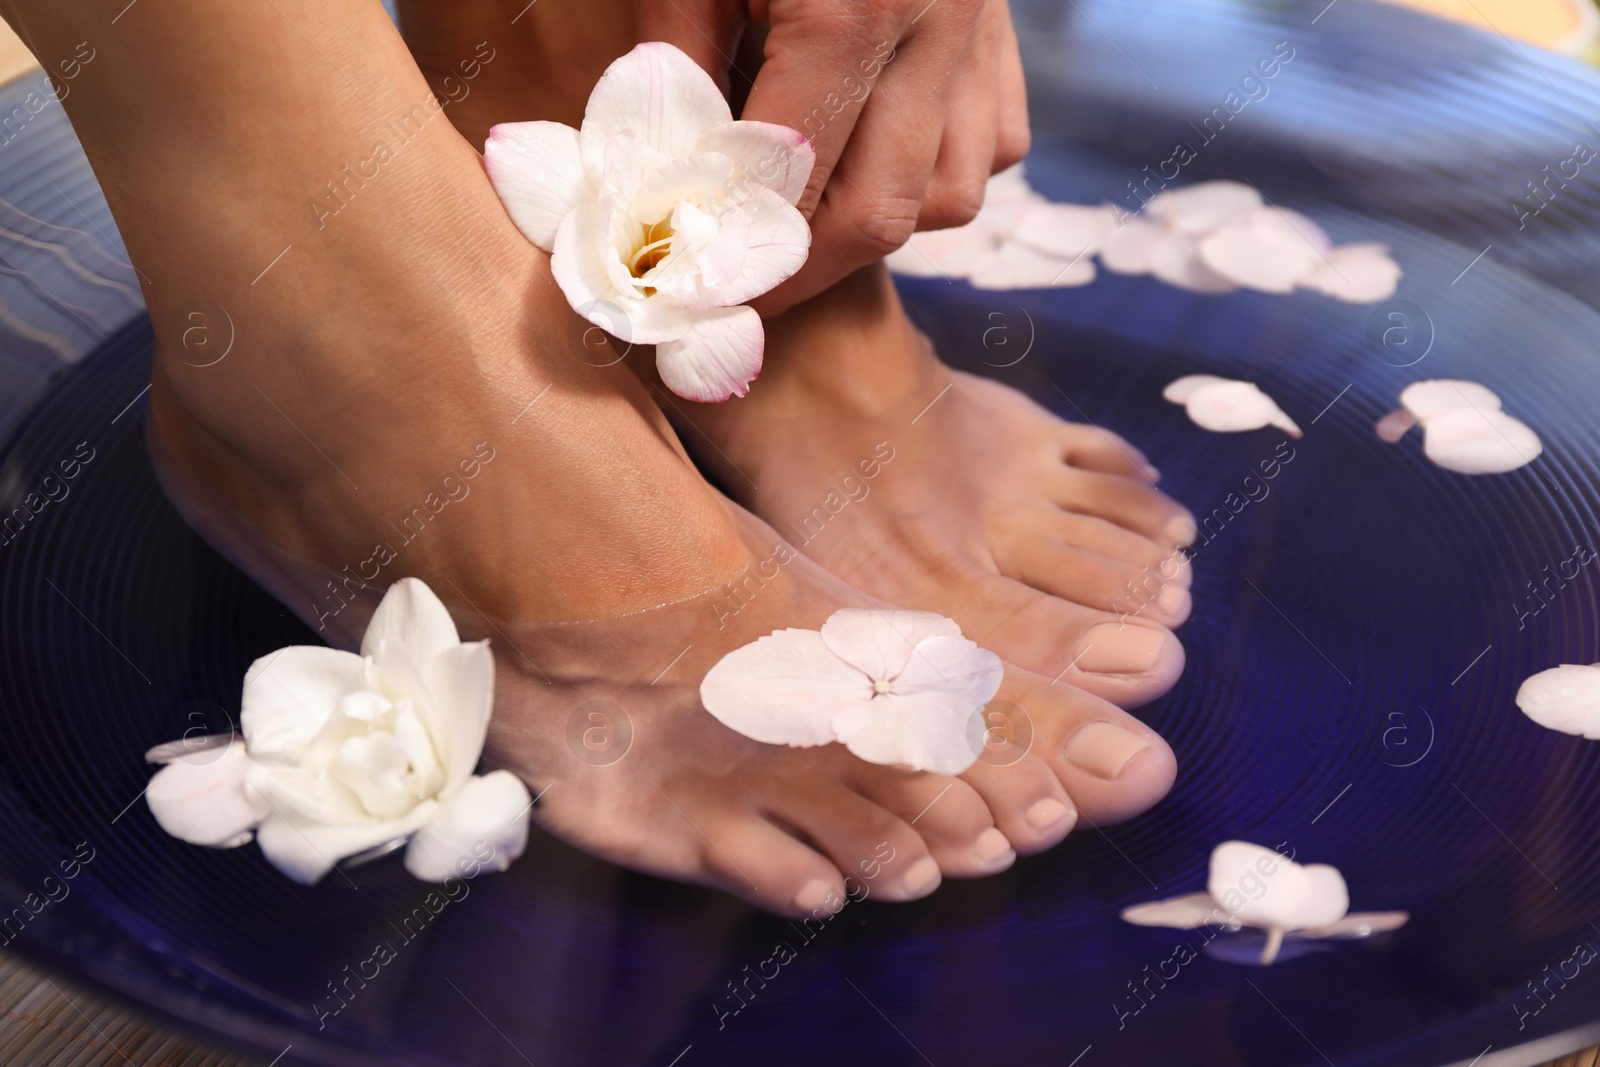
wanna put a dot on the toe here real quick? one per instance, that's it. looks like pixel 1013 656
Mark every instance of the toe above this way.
pixel 881 855
pixel 949 815
pixel 1027 802
pixel 1170 565
pixel 1095 581
pixel 1133 504
pixel 1096 449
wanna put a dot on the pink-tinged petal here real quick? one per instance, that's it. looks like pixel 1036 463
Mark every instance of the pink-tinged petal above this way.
pixel 1188 912
pixel 1010 186
pixel 1065 231
pixel 1359 924
pixel 702 180
pixel 721 260
pixel 718 356
pixel 880 642
pixel 948 254
pixel 289 695
pixel 1176 261
pixel 1356 274
pixel 1181 390
pixel 484 826
pixel 1019 266
pixel 1263 251
pixel 1440 396
pixel 1565 698
pixel 461 681
pixel 1289 221
pixel 764 154
pixel 306 850
pixel 206 798
pixel 659 94
pixel 778 241
pixel 783 689
pixel 1132 247
pixel 926 731
pixel 412 616
pixel 625 164
pixel 1395 425
pixel 1199 209
pixel 1233 407
pixel 952 664
pixel 581 273
pixel 1479 442
pixel 538 173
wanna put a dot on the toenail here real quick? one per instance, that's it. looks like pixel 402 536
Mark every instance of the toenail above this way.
pixel 1103 750
pixel 814 895
pixel 1046 813
pixel 1172 600
pixel 1117 648
pixel 992 844
pixel 921 879
pixel 1180 531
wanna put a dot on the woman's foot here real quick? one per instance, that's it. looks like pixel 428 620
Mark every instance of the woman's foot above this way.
pixel 933 489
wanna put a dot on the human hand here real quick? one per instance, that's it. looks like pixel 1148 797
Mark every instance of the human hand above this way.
pixel 910 105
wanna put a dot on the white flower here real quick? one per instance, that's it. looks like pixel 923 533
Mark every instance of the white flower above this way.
pixel 1224 405
pixel 344 752
pixel 1254 886
pixel 662 215
pixel 1565 698
pixel 896 687
pixel 1019 240
pixel 1463 428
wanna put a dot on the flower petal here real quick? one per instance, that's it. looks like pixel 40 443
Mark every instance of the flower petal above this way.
pixel 1440 396
pixel 1188 912
pixel 775 241
pixel 1181 390
pixel 581 273
pixel 486 824
pixel 1359 924
pixel 698 180
pixel 1065 231
pixel 411 615
pixel 880 642
pixel 1232 407
pixel 718 356
pixel 1479 442
pixel 306 851
pixel 1199 209
pixel 538 173
pixel 1020 266
pixel 1290 897
pixel 206 799
pixel 783 689
pixel 1176 261
pixel 1395 425
pixel 765 154
pixel 1132 248
pixel 1565 698
pixel 1357 274
pixel 926 731
pixel 956 253
pixel 461 681
pixel 289 695
pixel 659 94
pixel 1264 251
pixel 950 663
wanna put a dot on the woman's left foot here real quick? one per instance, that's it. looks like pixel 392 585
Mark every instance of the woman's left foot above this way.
pixel 933 489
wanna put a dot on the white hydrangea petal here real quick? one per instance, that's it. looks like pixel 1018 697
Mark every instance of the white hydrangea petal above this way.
pixel 764 153
pixel 1564 698
pixel 879 642
pixel 205 798
pixel 716 357
pixel 1479 442
pixel 485 824
pixel 1199 209
pixel 1292 897
pixel 538 173
pixel 1176 261
pixel 1188 912
pixel 1020 266
pixel 1357 274
pixel 1263 251
pixel 306 851
pixel 289 695
pixel 1324 897
pixel 1232 407
pixel 1395 425
pixel 1358 924
pixel 783 689
pixel 1064 231
pixel 657 93
pixel 926 731
pixel 1439 396
pixel 955 253
pixel 1181 390
pixel 411 615
pixel 1008 186
pixel 1132 247
pixel 461 683
pixel 952 664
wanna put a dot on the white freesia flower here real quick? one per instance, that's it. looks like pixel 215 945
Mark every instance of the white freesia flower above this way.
pixel 1565 698
pixel 896 687
pixel 1254 886
pixel 1463 428
pixel 1225 405
pixel 343 753
pixel 662 215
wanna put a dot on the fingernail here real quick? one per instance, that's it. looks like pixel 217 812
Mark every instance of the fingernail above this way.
pixel 1151 473
pixel 1116 648
pixel 1180 531
pixel 1046 813
pixel 1103 750
pixel 814 895
pixel 992 845
pixel 921 879
pixel 1172 600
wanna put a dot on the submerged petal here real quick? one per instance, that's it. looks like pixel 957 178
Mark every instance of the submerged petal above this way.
pixel 1225 406
pixel 1439 396
pixel 1565 698
pixel 484 825
pixel 783 689
pixel 206 798
pixel 1188 912
pixel 718 356
pixel 1357 274
pixel 1199 209
pixel 1479 442
pixel 538 173
pixel 659 94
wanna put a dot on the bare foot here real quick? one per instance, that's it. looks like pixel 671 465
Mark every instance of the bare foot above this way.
pixel 938 490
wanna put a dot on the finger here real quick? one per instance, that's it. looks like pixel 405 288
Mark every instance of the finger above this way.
pixel 1013 135
pixel 706 30
pixel 966 150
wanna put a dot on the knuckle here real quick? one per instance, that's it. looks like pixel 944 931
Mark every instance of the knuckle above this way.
pixel 1012 144
pixel 879 227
